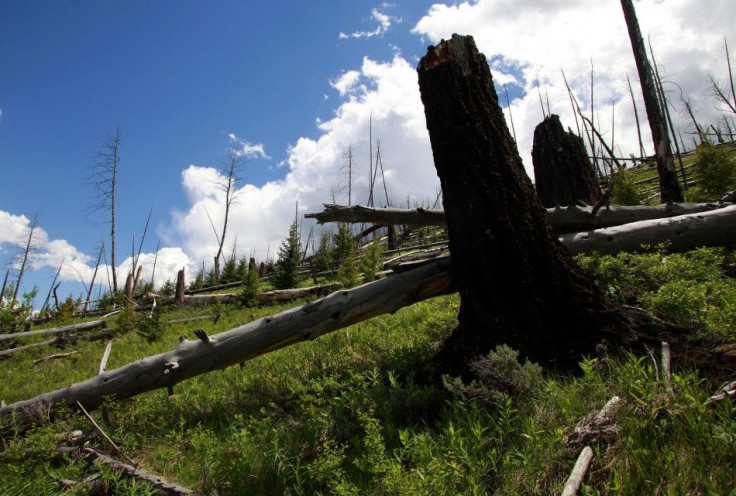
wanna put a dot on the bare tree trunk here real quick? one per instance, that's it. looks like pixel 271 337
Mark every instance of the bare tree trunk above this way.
pixel 137 280
pixel 668 186
pixel 103 179
pixel 84 326
pixel 228 187
pixel 92 282
pixel 48 295
pixel 5 284
pixel 541 303
pixel 664 103
pixel 636 117
pixel 571 219
pixel 26 255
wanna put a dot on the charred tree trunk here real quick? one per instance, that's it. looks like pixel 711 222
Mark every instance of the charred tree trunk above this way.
pixel 668 186
pixel 541 303
pixel 564 175
pixel 179 294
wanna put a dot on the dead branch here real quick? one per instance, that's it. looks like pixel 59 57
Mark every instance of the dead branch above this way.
pixel 54 357
pixel 85 326
pixel 131 471
pixel 563 219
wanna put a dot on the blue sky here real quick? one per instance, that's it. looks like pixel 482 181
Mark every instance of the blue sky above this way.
pixel 293 84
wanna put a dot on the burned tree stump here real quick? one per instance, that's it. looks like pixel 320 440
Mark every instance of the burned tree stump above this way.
pixel 564 175
pixel 179 294
pixel 518 285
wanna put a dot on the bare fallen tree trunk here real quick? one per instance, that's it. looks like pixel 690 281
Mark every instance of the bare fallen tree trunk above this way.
pixel 192 358
pixel 562 219
pixel 84 326
pixel 685 232
pixel 266 297
pixel 159 483
pixel 218 287
pixel 60 341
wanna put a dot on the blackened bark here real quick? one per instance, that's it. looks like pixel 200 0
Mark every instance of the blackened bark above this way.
pixel 669 188
pixel 179 294
pixel 563 173
pixel 518 285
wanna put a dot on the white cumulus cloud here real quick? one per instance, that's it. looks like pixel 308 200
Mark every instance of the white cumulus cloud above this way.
pixel 384 24
pixel 260 217
pixel 529 42
pixel 247 149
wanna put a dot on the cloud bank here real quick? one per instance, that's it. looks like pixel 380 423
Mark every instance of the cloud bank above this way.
pixel 527 42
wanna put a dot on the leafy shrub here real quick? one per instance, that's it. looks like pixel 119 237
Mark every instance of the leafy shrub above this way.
pixel 287 266
pixel 323 256
pixel 344 254
pixel 625 191
pixel 252 286
pixel 715 172
pixel 13 316
pixel 372 261
pixel 149 327
pixel 500 376
pixel 695 288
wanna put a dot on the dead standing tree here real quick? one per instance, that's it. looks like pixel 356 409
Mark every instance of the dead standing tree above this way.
pixel 668 186
pixel 539 301
pixel 229 187
pixel 103 181
pixel 24 260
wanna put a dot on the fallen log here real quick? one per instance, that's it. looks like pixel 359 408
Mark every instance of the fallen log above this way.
pixel 208 353
pixel 60 341
pixel 682 233
pixel 575 480
pixel 11 351
pixel 159 483
pixel 84 326
pixel 219 287
pixel 563 219
pixel 279 295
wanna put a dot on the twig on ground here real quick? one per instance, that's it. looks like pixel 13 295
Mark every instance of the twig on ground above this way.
pixel 99 429
pixel 54 357
pixel 133 471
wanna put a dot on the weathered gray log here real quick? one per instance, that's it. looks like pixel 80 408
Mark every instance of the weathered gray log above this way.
pixel 563 219
pixel 572 485
pixel 682 233
pixel 192 358
pixel 265 297
pixel 218 287
pixel 12 351
pixel 129 470
pixel 84 326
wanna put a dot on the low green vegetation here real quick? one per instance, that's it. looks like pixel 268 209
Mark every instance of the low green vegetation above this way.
pixel 710 170
pixel 363 411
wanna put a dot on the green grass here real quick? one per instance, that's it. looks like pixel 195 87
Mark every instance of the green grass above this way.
pixel 362 411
